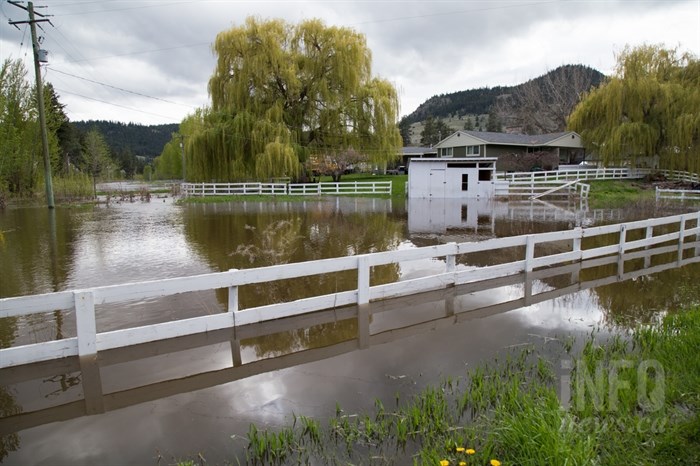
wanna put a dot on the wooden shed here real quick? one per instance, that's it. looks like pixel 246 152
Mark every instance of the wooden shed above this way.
pixel 468 177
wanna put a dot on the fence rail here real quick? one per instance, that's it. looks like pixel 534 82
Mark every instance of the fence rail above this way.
pixel 683 230
pixel 537 184
pixel 545 188
pixel 442 310
pixel 562 176
pixel 678 194
pixel 300 189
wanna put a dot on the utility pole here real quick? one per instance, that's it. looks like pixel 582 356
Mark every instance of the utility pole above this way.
pixel 39 94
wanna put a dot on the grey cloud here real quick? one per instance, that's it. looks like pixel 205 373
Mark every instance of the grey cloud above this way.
pixel 425 48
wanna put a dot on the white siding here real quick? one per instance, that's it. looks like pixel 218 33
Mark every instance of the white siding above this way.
pixel 458 140
pixel 445 178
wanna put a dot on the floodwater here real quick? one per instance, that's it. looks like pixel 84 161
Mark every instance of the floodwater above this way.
pixel 167 401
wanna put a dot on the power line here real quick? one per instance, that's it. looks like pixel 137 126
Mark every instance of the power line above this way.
pixel 198 44
pixel 122 89
pixel 125 9
pixel 117 105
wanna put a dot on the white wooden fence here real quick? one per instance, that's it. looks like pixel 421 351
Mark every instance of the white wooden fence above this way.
pixel 655 232
pixel 552 183
pixel 546 188
pixel 377 324
pixel 562 176
pixel 299 189
pixel 678 194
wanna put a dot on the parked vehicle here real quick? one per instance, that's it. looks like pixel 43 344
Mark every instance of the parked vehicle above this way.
pixel 400 170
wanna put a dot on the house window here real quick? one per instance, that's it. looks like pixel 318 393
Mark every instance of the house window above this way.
pixel 484 175
pixel 465 182
pixel 472 150
pixel 446 152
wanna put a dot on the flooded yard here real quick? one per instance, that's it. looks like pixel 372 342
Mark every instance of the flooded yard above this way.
pixel 162 402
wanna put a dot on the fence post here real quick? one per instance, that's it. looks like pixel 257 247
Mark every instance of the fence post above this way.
pixel 451 262
pixel 576 243
pixel 527 292
pixel 92 385
pixel 623 238
pixel 529 252
pixel 362 279
pixel 363 327
pixel 233 300
pixel 85 322
pixel 649 235
pixel 681 235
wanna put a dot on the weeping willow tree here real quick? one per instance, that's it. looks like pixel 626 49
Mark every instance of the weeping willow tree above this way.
pixel 647 112
pixel 282 92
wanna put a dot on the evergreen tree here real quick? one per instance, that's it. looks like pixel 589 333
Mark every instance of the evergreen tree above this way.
pixel 434 131
pixel 469 124
pixel 405 129
pixel 493 123
pixel 97 157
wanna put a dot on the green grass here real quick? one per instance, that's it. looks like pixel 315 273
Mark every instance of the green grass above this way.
pixel 634 400
pixel 617 193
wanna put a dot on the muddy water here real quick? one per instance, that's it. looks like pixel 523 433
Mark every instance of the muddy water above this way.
pixel 163 402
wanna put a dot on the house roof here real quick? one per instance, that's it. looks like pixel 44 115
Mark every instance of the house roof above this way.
pixel 418 150
pixel 516 139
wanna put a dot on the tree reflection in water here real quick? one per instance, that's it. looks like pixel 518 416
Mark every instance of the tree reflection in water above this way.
pixel 280 233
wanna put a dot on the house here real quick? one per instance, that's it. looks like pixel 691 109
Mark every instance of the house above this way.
pixel 449 178
pixel 523 152
pixel 410 152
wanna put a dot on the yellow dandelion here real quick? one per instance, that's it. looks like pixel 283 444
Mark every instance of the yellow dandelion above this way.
pixel 444 463
pixel 460 449
pixel 462 463
pixel 470 451
pixel 495 463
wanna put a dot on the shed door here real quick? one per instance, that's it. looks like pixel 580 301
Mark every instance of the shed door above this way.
pixel 437 183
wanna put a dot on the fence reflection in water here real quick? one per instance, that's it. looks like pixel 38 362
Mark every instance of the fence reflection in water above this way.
pixel 128 376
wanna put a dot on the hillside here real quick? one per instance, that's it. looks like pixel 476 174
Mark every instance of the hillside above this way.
pixel 146 141
pixel 540 105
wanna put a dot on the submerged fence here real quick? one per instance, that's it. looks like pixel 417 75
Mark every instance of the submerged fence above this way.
pixel 678 194
pixel 295 189
pixel 535 251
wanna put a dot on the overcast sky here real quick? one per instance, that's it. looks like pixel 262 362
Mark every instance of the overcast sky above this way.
pixel 160 51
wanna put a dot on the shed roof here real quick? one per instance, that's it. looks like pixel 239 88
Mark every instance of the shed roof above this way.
pixel 444 160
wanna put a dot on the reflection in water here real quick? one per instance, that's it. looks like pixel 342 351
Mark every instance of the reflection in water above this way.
pixel 71 388
pixel 441 215
pixel 37 254
pixel 83 247
pixel 256 234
